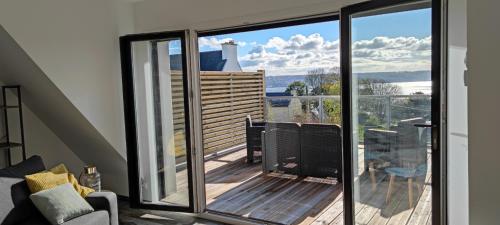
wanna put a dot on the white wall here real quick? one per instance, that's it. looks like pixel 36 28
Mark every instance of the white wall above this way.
pixel 75 43
pixel 458 196
pixel 39 140
pixel 483 35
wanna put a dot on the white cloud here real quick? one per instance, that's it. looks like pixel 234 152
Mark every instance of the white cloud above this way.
pixel 392 54
pixel 215 43
pixel 296 55
pixel 301 53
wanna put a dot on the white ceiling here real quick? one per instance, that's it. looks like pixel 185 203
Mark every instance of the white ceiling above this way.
pixel 151 15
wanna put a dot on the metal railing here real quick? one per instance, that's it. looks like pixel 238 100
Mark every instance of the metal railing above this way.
pixel 373 110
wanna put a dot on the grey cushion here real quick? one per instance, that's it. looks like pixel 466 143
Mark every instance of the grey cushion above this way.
pixel 60 204
pixel 31 165
pixel 94 218
pixel 14 193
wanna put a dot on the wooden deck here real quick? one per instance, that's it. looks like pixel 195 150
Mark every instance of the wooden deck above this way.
pixel 237 188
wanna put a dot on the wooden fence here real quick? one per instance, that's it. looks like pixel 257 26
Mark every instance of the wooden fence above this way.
pixel 178 113
pixel 226 98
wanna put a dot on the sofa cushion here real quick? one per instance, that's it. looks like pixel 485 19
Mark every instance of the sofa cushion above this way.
pixel 61 204
pixel 35 220
pixel 31 165
pixel 95 218
pixel 45 180
pixel 82 190
pixel 14 193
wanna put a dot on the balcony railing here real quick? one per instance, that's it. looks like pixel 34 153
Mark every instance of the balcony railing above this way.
pixel 372 110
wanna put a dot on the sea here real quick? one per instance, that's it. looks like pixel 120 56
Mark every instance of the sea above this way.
pixel 407 88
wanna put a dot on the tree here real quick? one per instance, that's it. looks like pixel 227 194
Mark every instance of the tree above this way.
pixel 373 110
pixel 326 82
pixel 332 107
pixel 377 87
pixel 298 86
pixel 318 79
pixel 416 105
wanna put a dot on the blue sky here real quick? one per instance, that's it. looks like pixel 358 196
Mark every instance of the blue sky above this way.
pixel 296 49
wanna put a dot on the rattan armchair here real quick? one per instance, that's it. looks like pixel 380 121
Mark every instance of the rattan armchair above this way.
pixel 253 137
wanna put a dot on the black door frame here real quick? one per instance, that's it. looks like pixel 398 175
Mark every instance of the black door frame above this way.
pixel 328 17
pixel 438 206
pixel 130 117
pixel 345 63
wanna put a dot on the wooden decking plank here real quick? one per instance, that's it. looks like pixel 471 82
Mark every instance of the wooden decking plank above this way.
pixel 339 220
pixel 326 213
pixel 364 184
pixel 383 215
pixel 403 213
pixel 332 212
pixel 317 206
pixel 265 196
pixel 429 220
pixel 372 204
pixel 273 210
pixel 217 189
pixel 423 208
pixel 293 206
pixel 239 187
pixel 245 188
pixel 306 204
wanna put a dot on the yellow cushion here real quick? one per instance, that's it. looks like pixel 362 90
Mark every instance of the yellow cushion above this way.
pixel 61 168
pixel 82 190
pixel 45 180
pixel 55 177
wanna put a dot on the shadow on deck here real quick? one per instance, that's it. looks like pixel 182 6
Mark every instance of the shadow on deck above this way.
pixel 237 188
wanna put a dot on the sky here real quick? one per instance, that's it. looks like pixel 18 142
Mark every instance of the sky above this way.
pixel 380 43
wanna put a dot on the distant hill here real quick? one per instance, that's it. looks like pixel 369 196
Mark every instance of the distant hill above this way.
pixel 403 76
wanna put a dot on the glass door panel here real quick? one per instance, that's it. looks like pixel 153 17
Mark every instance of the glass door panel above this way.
pixel 390 96
pixel 160 162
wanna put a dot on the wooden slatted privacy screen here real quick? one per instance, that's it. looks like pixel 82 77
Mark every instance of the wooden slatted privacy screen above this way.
pixel 227 98
pixel 178 113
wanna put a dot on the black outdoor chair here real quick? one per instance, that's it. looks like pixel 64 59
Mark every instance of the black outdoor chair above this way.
pixel 381 144
pixel 386 150
pixel 253 137
pixel 305 150
pixel 282 148
pixel 409 163
pixel 378 146
pixel 321 151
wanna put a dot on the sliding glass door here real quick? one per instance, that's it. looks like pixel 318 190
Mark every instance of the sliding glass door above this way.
pixel 391 118
pixel 388 168
pixel 155 83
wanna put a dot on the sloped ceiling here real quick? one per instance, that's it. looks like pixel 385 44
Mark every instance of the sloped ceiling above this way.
pixel 52 107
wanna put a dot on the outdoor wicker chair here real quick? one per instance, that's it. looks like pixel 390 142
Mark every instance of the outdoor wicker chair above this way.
pixel 282 148
pixel 321 151
pixel 253 137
